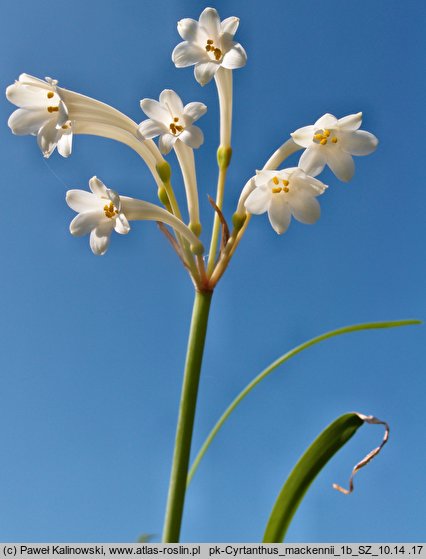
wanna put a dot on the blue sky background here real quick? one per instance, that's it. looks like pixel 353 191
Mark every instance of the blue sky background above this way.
pixel 92 348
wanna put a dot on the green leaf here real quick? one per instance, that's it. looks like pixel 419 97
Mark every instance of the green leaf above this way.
pixel 275 365
pixel 308 467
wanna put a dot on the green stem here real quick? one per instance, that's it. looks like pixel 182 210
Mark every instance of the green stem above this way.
pixel 194 356
pixel 216 223
pixel 277 363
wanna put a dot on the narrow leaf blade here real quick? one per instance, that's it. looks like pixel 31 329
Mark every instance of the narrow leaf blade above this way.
pixel 307 468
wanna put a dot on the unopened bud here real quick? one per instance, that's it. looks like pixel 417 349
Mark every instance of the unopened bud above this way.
pixel 224 154
pixel 164 171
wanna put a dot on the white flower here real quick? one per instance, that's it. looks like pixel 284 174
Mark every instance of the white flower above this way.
pixel 99 213
pixel 42 113
pixel 332 142
pixel 170 120
pixel 283 194
pixel 208 43
pixel 102 210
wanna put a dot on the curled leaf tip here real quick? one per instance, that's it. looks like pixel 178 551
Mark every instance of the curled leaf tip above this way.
pixel 372 421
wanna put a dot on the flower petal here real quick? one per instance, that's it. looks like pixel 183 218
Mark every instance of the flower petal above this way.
pixel 165 143
pixel 27 79
pixel 100 237
pixel 341 164
pixel 209 19
pixel 30 97
pixel 186 54
pixel 236 57
pixel 188 29
pixel 258 201
pixel 82 201
pixel 279 214
pixel 192 136
pixel 98 188
pixel 155 111
pixel 149 129
pixel 326 121
pixel 230 25
pixel 304 136
pixel 121 224
pixel 47 138
pixel 204 71
pixel 358 142
pixel 172 101
pixel 350 122
pixel 305 208
pixel 62 114
pixel 313 160
pixel 194 110
pixel 264 176
pixel 65 144
pixel 23 121
pixel 85 222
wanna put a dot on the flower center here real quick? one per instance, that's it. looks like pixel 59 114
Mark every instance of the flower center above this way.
pixel 322 137
pixel 175 128
pixel 215 51
pixel 110 210
pixel 276 189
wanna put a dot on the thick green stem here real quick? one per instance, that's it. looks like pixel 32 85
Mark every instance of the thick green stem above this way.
pixel 194 357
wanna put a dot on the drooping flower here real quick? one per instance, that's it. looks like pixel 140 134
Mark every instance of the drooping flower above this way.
pixel 42 113
pixel 170 120
pixel 208 44
pixel 283 194
pixel 332 142
pixel 102 210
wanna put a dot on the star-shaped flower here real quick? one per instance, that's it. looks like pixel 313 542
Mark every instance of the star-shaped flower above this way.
pixel 42 113
pixel 332 142
pixel 208 44
pixel 99 213
pixel 283 194
pixel 170 120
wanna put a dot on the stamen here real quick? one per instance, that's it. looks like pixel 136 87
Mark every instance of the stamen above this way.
pixel 334 140
pixel 327 133
pixel 217 53
pixel 276 190
pixel 173 128
pixel 50 94
pixel 209 41
pixel 52 109
pixel 285 183
pixel 179 128
pixel 318 137
pixel 64 127
pixel 286 189
pixel 208 48
pixel 110 210
pixel 275 180
pixel 323 141
pixel 176 119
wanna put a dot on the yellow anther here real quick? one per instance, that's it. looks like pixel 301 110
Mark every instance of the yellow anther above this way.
pixel 275 190
pixel 64 127
pixel 217 53
pixel 275 180
pixel 173 128
pixel 286 189
pixel 285 183
pixel 176 119
pixel 318 137
pixel 110 210
pixel 50 94
pixel 334 140
pixel 209 41
pixel 208 48
pixel 52 109
pixel 327 133
pixel 323 141
pixel 179 128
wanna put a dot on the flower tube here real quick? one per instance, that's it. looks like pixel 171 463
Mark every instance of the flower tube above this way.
pixel 102 210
